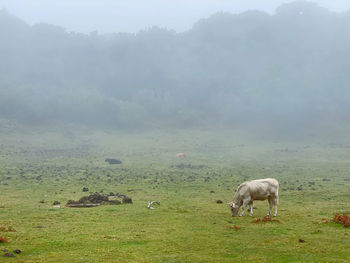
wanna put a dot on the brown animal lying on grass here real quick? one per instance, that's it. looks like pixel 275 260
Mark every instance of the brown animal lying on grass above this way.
pixel 181 155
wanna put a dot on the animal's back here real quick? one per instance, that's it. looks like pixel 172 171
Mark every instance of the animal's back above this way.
pixel 268 184
pixel 259 189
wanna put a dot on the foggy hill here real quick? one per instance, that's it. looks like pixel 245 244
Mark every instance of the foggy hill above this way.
pixel 287 69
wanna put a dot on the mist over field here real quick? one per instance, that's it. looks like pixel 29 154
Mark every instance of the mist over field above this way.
pixel 285 71
pixel 145 147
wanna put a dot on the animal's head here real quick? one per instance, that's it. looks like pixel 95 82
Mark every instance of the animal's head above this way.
pixel 234 208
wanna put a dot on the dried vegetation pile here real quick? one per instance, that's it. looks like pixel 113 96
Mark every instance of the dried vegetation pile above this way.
pixel 342 219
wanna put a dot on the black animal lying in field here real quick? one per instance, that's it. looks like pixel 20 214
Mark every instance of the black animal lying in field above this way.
pixel 113 161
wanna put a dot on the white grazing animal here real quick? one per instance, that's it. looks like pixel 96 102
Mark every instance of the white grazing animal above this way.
pixel 250 191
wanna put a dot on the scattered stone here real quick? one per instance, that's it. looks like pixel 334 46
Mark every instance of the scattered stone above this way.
pixel 127 200
pixel 300 188
pixel 9 255
pixel 111 194
pixel 219 202
pixel 17 251
pixel 212 191
pixel 85 189
pixel 113 161
pixel 96 199
pixel 301 240
pixel 56 203
pixel 41 201
pixel 5 250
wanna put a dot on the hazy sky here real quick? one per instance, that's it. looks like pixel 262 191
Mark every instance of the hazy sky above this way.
pixel 108 16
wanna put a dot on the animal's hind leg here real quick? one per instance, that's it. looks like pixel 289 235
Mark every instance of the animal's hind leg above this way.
pixel 270 206
pixel 275 203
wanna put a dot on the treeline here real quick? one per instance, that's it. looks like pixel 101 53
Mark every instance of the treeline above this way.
pixel 287 69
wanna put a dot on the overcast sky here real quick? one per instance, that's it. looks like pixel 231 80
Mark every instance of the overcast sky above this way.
pixel 107 16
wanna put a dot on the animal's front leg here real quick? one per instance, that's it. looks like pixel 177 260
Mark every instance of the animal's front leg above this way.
pixel 275 204
pixel 245 203
pixel 251 209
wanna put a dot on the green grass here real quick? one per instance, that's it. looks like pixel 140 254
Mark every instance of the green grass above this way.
pixel 188 226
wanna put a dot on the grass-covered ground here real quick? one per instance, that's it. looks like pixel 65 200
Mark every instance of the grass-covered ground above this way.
pixel 188 226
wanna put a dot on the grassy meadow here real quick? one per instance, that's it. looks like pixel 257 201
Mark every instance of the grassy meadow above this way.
pixel 189 225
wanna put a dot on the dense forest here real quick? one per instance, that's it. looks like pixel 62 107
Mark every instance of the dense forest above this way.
pixel 290 68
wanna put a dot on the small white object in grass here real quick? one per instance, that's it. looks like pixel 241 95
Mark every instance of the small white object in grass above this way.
pixel 149 206
pixel 56 206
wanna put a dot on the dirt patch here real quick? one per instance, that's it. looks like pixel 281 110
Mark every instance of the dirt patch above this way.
pixel 264 220
pixel 4 239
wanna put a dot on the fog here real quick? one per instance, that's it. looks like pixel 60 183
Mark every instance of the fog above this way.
pixel 286 68
pixel 109 16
